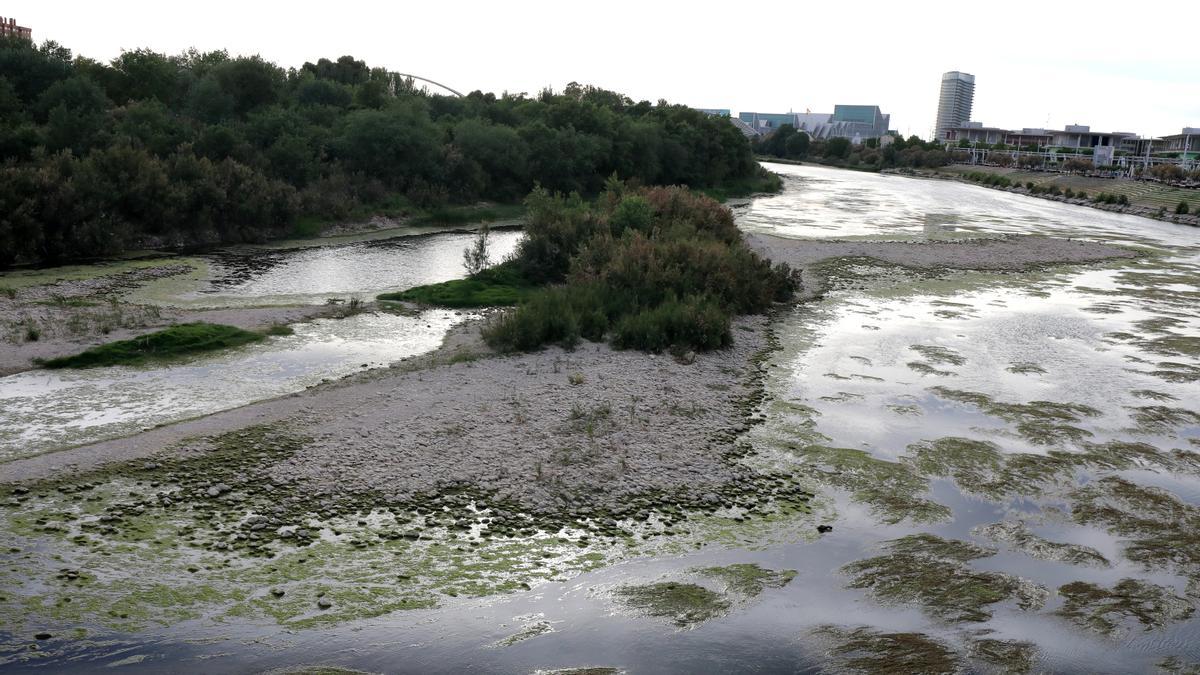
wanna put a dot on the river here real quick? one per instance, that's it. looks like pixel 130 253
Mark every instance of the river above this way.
pixel 1025 437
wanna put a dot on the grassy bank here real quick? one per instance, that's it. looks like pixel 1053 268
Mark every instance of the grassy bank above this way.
pixel 497 286
pixel 1145 194
pixel 169 343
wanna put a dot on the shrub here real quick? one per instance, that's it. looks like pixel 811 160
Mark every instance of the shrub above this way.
pixel 1182 208
pixel 696 322
pixel 1123 200
pixel 652 269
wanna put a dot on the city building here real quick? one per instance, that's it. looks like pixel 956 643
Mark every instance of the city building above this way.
pixel 747 130
pixel 955 98
pixel 715 112
pixel 1073 136
pixel 1186 143
pixel 9 28
pixel 855 122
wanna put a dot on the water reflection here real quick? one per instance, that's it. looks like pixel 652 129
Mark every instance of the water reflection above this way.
pixel 312 275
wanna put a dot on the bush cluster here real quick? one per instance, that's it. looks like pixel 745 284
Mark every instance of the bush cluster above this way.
pixel 993 179
pixel 1106 198
pixel 787 142
pixel 647 268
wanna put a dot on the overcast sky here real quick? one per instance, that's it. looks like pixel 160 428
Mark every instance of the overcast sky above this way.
pixel 1117 67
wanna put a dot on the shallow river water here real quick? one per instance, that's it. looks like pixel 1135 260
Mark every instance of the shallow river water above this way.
pixel 1007 461
pixel 41 410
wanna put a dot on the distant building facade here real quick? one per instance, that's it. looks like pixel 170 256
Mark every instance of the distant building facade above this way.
pixel 1186 143
pixel 955 98
pixel 9 28
pixel 855 122
pixel 715 112
pixel 1073 136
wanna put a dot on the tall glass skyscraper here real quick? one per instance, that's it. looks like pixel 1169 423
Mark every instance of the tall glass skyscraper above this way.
pixel 954 102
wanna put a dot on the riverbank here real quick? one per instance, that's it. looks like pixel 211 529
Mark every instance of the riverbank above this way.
pixel 1148 200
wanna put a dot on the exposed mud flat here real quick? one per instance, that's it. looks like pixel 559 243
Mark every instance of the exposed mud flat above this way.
pixel 633 423
pixel 1006 253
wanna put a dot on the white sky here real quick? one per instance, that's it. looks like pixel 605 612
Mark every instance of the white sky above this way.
pixel 1118 67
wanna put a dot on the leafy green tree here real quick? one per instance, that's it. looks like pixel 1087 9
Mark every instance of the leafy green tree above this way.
pixel 797 145
pixel 144 74
pixel 250 82
pixel 837 148
pixel 392 145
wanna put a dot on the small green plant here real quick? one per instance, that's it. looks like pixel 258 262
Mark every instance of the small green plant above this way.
pixel 8 292
pixel 1123 200
pixel 1182 208
pixel 173 342
pixel 476 257
pixel 32 333
pixel 575 379
pixel 279 329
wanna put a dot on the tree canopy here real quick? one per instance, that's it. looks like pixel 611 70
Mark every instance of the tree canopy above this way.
pixel 206 147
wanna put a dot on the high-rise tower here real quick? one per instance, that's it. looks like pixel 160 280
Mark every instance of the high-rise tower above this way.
pixel 954 102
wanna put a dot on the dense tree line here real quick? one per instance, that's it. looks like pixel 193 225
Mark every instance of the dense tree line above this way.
pixel 207 147
pixel 788 143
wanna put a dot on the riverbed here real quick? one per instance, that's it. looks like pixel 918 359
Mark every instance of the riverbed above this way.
pixel 942 469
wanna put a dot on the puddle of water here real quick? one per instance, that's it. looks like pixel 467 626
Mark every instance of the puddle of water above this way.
pixel 42 410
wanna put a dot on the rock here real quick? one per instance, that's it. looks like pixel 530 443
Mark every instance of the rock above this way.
pixel 277 592
pixel 42 636
pixel 824 528
pixel 218 490
pixel 324 604
pixel 688 358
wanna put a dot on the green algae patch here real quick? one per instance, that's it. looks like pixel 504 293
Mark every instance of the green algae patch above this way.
pixel 939 355
pixel 1020 538
pixel 1153 395
pixel 529 631
pixel 1158 419
pixel 1039 422
pixel 1174 665
pixel 868 651
pixel 748 579
pixel 967 461
pixel 169 343
pixel 893 490
pixel 926 369
pixel 1009 656
pixel 1160 530
pixel 685 605
pixel 934 573
pixel 1109 611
